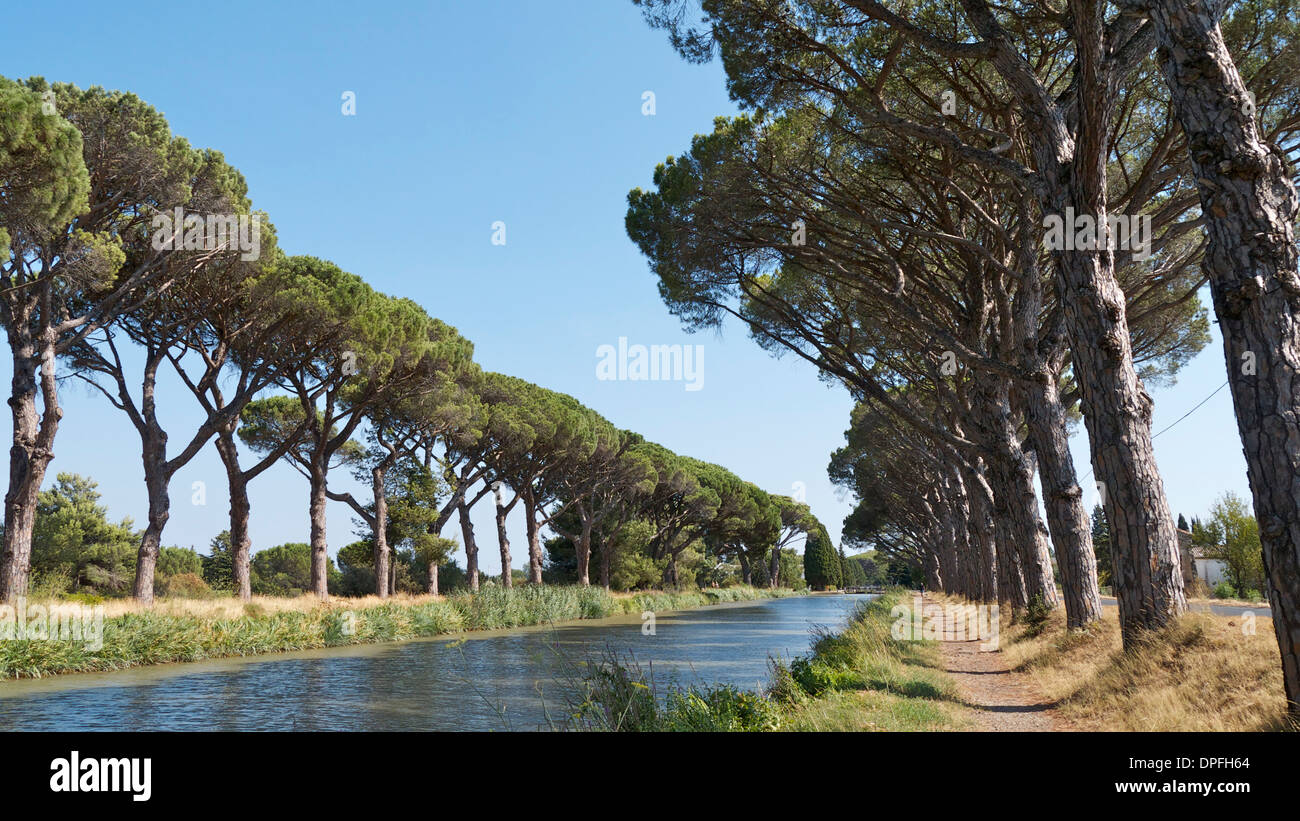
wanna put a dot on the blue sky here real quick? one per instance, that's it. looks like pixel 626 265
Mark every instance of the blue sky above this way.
pixel 468 114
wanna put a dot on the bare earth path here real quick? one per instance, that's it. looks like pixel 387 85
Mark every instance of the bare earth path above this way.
pixel 1002 699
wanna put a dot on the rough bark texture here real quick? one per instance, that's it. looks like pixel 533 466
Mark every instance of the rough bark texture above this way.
pixel 1067 519
pixel 534 540
pixel 1249 207
pixel 319 542
pixel 503 540
pixel 29 456
pixel 156 479
pixel 982 535
pixel 240 507
pixel 433 578
pixel 1117 412
pixel 471 546
pixel 382 551
pixel 1015 504
pixel 930 569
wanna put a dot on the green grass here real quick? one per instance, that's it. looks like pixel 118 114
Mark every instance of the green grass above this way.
pixel 864 679
pixel 144 638
pixel 858 679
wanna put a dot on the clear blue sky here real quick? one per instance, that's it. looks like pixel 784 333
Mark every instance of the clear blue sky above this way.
pixel 469 113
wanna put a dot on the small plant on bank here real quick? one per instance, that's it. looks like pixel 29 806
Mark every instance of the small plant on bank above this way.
pixel 1037 614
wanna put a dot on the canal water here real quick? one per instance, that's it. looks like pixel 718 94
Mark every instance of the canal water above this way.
pixel 492 680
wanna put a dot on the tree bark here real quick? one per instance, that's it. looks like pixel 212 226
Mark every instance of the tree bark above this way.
pixel 604 563
pixel 319 542
pixel 433 578
pixel 503 540
pixel 1014 501
pixel 582 548
pixel 382 550
pixel 1067 520
pixel 745 574
pixel 774 568
pixel 982 534
pixel 240 507
pixel 534 540
pixel 1249 208
pixel 156 479
pixel 929 566
pixel 29 456
pixel 471 546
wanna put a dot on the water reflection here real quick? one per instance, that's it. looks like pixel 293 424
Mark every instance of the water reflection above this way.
pixel 482 681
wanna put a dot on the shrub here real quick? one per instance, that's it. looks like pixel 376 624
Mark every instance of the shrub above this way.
pixel 724 709
pixel 1224 590
pixel 185 586
pixel 1037 614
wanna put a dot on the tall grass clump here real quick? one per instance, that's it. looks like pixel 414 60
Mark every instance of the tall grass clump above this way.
pixel 615 694
pixel 495 608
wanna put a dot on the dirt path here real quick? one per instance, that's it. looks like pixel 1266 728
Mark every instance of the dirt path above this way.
pixel 1003 700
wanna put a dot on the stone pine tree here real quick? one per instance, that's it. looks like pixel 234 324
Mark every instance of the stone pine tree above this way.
pixel 164 325
pixel 797 521
pixel 82 175
pixel 836 59
pixel 366 349
pixel 1249 204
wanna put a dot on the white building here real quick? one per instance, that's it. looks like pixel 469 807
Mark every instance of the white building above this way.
pixel 1211 571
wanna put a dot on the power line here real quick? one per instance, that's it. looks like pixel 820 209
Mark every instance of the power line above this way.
pixel 1193 410
pixel 1179 419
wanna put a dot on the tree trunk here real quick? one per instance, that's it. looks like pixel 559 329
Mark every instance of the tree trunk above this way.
pixel 1249 207
pixel 670 573
pixel 381 532
pixel 319 543
pixel 433 578
pixel 471 546
pixel 958 521
pixel 29 456
pixel 504 541
pixel 240 542
pixel 982 532
pixel 1117 412
pixel 534 540
pixel 1067 520
pixel 929 567
pixel 1116 406
pixel 582 548
pixel 1014 501
pixel 604 564
pixel 154 457
pixel 745 575
pixel 774 568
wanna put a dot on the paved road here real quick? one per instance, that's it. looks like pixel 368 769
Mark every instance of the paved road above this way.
pixel 1216 609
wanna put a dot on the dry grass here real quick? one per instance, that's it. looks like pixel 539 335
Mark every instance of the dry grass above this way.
pixel 1204 673
pixel 227 607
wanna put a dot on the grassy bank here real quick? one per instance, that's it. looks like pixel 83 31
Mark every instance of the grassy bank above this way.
pixel 864 679
pixel 858 679
pixel 1203 673
pixel 182 630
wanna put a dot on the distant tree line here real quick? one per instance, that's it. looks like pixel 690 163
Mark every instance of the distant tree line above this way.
pixel 120 241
